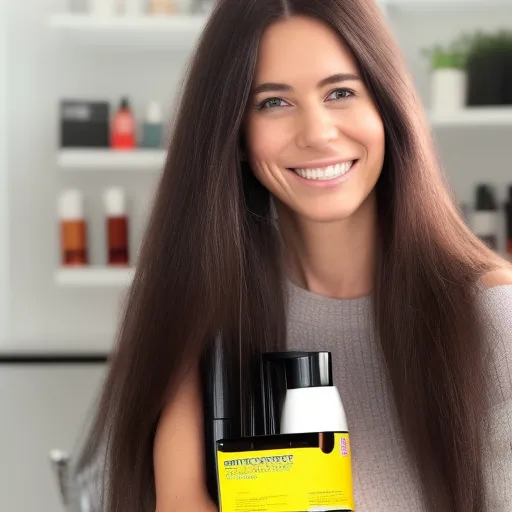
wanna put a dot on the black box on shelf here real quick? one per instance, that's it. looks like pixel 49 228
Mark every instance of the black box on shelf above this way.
pixel 84 124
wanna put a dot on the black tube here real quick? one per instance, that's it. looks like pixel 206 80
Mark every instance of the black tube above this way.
pixel 218 419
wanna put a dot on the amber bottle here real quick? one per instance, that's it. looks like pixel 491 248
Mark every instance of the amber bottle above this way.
pixel 116 227
pixel 73 228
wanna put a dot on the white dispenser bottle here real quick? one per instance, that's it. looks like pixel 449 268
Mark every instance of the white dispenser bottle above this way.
pixel 312 403
pixel 300 396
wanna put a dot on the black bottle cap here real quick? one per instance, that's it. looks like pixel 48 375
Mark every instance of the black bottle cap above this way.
pixel 485 200
pixel 304 369
pixel 311 370
pixel 125 103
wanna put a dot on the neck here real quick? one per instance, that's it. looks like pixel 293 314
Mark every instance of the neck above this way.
pixel 333 259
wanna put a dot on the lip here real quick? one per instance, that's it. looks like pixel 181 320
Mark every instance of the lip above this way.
pixel 326 183
pixel 322 163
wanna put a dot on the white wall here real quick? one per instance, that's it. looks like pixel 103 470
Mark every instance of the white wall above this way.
pixel 41 70
pixel 44 407
pixel 4 196
pixel 470 155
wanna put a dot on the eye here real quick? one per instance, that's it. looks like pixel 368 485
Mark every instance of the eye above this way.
pixel 340 94
pixel 271 103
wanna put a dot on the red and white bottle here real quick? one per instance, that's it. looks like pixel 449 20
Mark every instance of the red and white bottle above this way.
pixel 73 228
pixel 116 225
pixel 123 127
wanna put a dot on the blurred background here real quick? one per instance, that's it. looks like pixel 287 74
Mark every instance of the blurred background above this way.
pixel 87 93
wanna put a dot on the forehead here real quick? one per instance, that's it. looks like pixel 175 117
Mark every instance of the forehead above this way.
pixel 301 49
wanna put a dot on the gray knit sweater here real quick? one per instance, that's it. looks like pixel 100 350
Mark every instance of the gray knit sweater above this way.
pixel 384 479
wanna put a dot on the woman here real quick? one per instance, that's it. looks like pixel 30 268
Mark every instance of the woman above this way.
pixel 302 111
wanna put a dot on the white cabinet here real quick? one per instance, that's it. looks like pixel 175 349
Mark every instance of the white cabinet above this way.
pixel 43 406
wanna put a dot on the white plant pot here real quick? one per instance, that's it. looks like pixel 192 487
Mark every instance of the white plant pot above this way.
pixel 448 90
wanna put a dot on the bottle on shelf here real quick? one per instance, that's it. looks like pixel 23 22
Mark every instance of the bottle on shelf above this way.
pixel 152 129
pixel 123 127
pixel 484 219
pixel 105 7
pixel 135 7
pixel 203 6
pixel 73 228
pixel 116 225
pixel 158 7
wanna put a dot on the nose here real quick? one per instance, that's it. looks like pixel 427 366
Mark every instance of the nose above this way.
pixel 317 129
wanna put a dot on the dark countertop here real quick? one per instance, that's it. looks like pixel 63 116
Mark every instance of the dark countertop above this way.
pixel 52 358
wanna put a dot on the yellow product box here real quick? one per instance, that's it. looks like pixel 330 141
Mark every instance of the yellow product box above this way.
pixel 286 473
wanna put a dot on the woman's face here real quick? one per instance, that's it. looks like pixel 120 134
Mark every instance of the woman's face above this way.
pixel 314 137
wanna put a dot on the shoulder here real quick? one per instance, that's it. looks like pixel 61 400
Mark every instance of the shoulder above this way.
pixel 499 277
pixel 495 306
pixel 495 298
pixel 495 301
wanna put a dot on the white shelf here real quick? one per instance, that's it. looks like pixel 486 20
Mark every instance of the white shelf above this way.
pixel 94 276
pixel 171 32
pixel 475 116
pixel 441 4
pixel 149 160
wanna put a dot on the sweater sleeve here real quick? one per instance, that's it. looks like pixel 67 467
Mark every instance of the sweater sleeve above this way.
pixel 497 308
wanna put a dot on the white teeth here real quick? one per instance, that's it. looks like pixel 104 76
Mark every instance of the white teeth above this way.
pixel 325 173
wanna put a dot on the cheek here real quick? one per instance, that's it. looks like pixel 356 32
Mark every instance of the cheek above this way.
pixel 265 142
pixel 370 132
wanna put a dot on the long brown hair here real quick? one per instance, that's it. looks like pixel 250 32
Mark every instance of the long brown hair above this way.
pixel 210 263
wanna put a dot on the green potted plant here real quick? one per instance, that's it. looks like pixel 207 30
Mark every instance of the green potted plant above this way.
pixel 490 68
pixel 448 75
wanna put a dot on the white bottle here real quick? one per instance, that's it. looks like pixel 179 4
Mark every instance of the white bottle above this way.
pixel 159 7
pixel 152 129
pixel 303 398
pixel 105 7
pixel 312 402
pixel 313 409
pixel 135 7
pixel 204 6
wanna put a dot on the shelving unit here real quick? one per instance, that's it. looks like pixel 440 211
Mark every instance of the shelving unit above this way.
pixel 444 4
pixel 94 276
pixel 474 117
pixel 176 32
pixel 144 160
pixel 75 160
pixel 180 33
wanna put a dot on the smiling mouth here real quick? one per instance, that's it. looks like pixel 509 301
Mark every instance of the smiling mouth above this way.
pixel 325 173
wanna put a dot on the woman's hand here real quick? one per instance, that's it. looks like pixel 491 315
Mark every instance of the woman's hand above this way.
pixel 205 506
pixel 179 437
pixel 202 505
pixel 199 504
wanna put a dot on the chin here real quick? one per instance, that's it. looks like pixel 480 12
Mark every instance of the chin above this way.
pixel 325 215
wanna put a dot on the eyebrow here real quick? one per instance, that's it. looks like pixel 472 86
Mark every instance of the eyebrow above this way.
pixel 333 79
